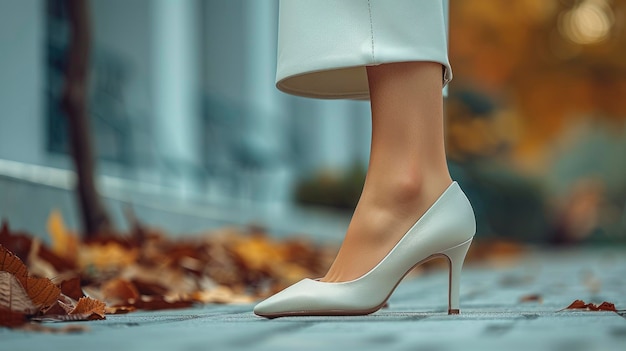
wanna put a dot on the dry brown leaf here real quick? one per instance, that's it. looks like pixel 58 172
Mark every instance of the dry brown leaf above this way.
pixel 42 291
pixel 149 288
pixel 13 297
pixel 581 305
pixel 577 304
pixel 174 280
pixel 12 264
pixel 607 306
pixel 119 291
pixel 160 303
pixel 11 319
pixel 89 309
pixel 58 308
pixel 71 287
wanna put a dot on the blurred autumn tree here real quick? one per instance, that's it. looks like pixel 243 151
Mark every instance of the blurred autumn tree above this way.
pixel 552 60
pixel 532 77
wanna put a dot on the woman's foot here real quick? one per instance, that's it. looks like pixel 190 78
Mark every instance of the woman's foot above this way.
pixel 380 220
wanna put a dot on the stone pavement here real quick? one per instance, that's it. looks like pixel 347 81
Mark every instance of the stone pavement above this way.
pixel 493 317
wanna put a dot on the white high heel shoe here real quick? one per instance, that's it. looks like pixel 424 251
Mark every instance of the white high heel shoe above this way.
pixel 446 229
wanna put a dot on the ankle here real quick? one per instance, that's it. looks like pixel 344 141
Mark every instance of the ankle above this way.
pixel 406 190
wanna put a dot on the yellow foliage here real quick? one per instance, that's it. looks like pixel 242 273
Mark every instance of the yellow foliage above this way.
pixel 64 243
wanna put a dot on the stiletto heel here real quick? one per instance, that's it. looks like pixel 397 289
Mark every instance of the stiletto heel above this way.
pixel 446 229
pixel 456 257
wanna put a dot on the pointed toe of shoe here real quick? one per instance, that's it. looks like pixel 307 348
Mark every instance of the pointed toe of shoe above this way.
pixel 269 306
pixel 266 308
pixel 290 301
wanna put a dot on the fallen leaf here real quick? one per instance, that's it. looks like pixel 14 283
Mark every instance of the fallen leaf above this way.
pixel 89 309
pixel 22 296
pixel 607 306
pixel 64 243
pixel 66 303
pixel 71 287
pixel 149 288
pixel 12 264
pixel 13 297
pixel 160 303
pixel 42 291
pixel 577 304
pixel 11 319
pixel 581 305
pixel 119 291
pixel 57 309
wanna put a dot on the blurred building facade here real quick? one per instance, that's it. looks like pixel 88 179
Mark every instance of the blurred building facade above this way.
pixel 182 97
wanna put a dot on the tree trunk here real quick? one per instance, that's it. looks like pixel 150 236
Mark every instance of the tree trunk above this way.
pixel 75 100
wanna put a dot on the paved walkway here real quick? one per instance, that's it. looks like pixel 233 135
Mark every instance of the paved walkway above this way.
pixel 492 316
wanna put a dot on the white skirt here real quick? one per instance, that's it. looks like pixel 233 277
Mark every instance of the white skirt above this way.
pixel 325 45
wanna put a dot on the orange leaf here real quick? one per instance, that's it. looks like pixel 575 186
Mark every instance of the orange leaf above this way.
pixel 12 264
pixel 42 291
pixel 106 256
pixel 89 308
pixel 64 243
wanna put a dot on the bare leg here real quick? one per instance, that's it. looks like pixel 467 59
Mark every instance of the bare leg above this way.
pixel 407 168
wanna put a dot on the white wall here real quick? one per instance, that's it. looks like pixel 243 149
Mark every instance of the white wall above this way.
pixel 22 126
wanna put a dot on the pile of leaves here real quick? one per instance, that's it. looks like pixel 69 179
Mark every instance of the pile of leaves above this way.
pixel 23 296
pixel 74 279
